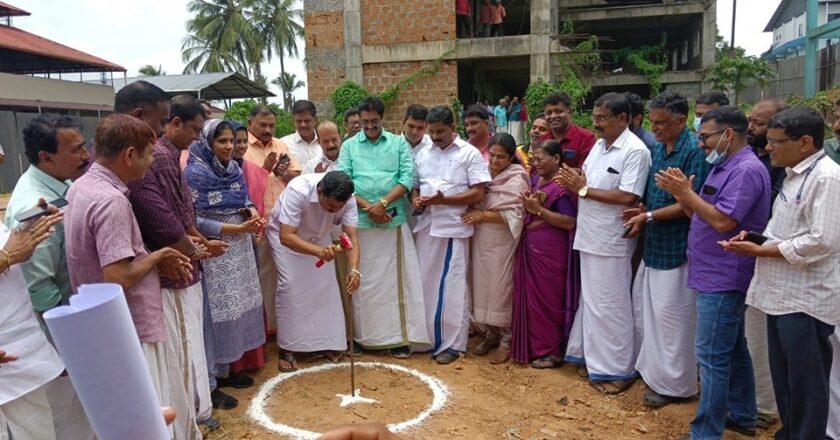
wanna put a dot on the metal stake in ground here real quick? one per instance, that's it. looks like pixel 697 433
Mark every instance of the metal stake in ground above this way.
pixel 352 357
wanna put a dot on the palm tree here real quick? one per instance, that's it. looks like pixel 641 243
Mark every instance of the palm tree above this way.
pixel 279 20
pixel 288 83
pixel 221 37
pixel 150 70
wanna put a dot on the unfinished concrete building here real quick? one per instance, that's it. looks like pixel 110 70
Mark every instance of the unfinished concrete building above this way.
pixel 376 43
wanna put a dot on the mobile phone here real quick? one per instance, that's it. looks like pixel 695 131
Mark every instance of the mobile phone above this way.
pixel 627 230
pixel 211 238
pixel 285 159
pixel 755 237
pixel 38 211
pixel 569 154
pixel 393 211
pixel 245 213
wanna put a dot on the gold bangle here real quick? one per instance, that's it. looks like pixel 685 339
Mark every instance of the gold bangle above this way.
pixel 8 261
pixel 539 213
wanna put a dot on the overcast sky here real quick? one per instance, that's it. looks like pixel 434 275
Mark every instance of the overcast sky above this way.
pixel 133 33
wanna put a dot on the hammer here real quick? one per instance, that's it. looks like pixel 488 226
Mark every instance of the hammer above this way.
pixel 346 244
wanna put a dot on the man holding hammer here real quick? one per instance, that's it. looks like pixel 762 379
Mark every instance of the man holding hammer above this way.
pixel 309 312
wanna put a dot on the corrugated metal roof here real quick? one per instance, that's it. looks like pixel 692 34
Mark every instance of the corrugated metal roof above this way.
pixel 25 53
pixel 11 11
pixel 220 85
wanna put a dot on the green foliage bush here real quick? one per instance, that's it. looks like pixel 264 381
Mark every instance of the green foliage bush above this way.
pixel 346 96
pixel 240 110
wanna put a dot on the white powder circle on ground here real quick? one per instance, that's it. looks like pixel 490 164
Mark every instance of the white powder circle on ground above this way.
pixel 256 411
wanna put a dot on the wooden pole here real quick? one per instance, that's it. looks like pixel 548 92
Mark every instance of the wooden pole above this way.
pixel 352 357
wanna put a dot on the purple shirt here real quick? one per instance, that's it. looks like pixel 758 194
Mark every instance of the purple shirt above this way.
pixel 739 188
pixel 163 205
pixel 100 229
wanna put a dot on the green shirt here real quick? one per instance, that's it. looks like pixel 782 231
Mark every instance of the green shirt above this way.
pixel 376 168
pixel 46 273
pixel 832 148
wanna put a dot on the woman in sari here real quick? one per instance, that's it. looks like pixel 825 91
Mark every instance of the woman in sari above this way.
pixel 546 285
pixel 498 223
pixel 224 210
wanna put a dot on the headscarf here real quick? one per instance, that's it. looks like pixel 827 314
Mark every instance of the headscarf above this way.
pixel 213 185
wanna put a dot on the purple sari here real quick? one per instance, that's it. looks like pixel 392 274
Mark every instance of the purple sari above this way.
pixel 546 281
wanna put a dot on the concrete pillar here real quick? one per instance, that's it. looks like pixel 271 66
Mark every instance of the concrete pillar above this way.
pixel 543 25
pixel 353 41
pixel 707 47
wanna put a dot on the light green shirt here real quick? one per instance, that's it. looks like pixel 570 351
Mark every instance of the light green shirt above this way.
pixel 376 168
pixel 46 272
pixel 832 148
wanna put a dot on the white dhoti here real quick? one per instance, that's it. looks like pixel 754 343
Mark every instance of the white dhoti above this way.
pixel 28 417
pixel 833 431
pixel 445 292
pixel 309 313
pixel 516 131
pixel 268 282
pixel 68 415
pixel 664 309
pixel 388 309
pixel 602 335
pixel 755 330
pixel 185 360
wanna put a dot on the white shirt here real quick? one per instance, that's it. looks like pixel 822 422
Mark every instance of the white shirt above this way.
pixel 301 150
pixel 426 141
pixel 21 336
pixel 623 166
pixel 298 207
pixel 322 160
pixel 807 279
pixel 452 170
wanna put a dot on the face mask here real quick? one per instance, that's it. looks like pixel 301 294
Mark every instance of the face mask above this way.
pixel 716 158
pixel 696 124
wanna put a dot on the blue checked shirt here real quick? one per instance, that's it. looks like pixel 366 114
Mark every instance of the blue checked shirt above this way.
pixel 666 241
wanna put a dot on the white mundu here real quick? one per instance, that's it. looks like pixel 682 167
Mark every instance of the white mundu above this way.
pixel 309 313
pixel 602 335
pixel 443 239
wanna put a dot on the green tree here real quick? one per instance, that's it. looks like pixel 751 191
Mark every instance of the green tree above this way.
pixel 150 70
pixel 536 93
pixel 280 21
pixel 239 111
pixel 734 74
pixel 345 97
pixel 288 83
pixel 221 37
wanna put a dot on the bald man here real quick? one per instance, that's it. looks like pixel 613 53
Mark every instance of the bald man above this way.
pixel 330 140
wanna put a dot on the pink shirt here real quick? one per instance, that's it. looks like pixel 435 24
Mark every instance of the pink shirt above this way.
pixel 462 7
pixel 100 229
pixel 487 13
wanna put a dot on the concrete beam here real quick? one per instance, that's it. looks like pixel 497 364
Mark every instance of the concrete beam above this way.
pixel 474 48
pixel 629 79
pixel 633 12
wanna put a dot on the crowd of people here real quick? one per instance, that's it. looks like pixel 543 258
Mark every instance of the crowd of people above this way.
pixel 665 254
pixel 490 18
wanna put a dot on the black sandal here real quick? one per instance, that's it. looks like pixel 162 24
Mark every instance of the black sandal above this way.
pixel 289 358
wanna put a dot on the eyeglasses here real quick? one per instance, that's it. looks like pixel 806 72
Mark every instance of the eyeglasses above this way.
pixel 601 119
pixel 705 136
pixel 779 141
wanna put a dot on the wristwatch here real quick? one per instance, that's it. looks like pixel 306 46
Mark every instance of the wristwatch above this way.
pixel 384 203
pixel 649 216
pixel 583 191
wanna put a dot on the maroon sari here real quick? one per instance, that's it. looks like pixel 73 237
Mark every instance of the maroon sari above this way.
pixel 546 281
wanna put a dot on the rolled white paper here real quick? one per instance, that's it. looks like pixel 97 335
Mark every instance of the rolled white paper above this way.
pixel 97 340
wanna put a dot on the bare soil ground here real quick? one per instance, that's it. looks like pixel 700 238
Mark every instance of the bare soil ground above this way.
pixel 487 402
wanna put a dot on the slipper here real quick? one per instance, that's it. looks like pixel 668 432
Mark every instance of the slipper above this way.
pixel 235 381
pixel 743 430
pixel 333 356
pixel 220 400
pixel 655 400
pixel 289 358
pixel 546 362
pixel 582 371
pixel 403 352
pixel 764 421
pixel 613 387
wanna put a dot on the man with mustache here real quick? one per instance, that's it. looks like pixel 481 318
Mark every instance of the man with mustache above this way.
pixel 575 141
pixel 55 147
pixel 832 149
pixel 755 321
pixel 330 141
pixel 449 175
pixel 538 134
pixel 476 123
pixel 414 128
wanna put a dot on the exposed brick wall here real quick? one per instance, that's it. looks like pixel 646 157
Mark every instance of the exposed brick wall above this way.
pixel 407 21
pixel 325 56
pixel 429 91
